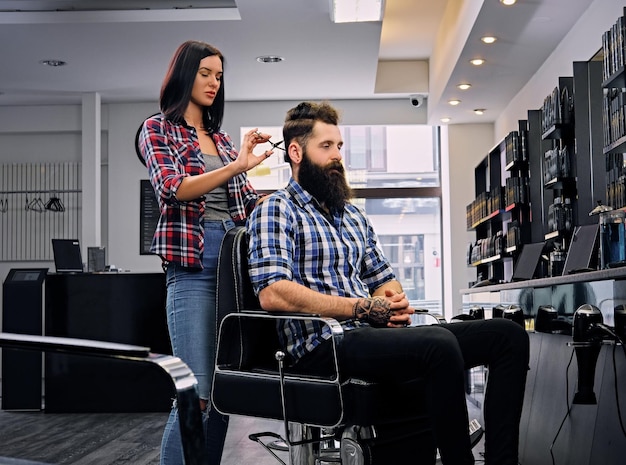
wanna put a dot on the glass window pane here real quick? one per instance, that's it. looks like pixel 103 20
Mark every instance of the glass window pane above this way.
pixel 374 156
pixel 355 148
pixel 409 233
pixel 378 151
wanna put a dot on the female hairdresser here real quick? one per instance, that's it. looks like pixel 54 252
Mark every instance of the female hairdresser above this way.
pixel 201 185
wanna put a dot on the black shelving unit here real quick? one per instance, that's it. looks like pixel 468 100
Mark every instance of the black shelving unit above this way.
pixel 614 115
pixel 517 190
pixel 558 166
pixel 500 215
pixel 537 146
pixel 589 161
pixel 562 159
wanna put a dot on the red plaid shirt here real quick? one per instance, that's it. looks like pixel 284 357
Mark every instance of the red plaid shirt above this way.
pixel 172 152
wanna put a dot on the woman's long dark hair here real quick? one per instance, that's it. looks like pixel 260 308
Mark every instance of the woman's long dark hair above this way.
pixel 178 83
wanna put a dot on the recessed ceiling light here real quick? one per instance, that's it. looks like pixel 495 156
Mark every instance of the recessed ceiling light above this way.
pixel 464 86
pixel 53 63
pixel 352 11
pixel 270 59
pixel 445 119
pixel 454 102
pixel 508 2
pixel 479 111
pixel 477 61
pixel 488 39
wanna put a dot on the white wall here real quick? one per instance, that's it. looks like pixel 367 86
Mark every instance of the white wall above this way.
pixel 466 145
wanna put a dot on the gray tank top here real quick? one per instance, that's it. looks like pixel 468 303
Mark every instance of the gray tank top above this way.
pixel 216 201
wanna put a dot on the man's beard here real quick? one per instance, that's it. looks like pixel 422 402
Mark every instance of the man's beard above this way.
pixel 326 183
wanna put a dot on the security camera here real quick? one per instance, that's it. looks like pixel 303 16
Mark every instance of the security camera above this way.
pixel 416 100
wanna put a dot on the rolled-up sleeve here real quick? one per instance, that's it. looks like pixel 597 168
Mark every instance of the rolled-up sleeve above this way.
pixel 271 248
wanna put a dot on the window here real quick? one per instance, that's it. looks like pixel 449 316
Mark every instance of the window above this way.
pixel 394 171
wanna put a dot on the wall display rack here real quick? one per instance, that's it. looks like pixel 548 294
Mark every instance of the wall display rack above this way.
pixel 613 111
pixel 559 176
pixel 542 180
pixel 500 214
pixel 38 202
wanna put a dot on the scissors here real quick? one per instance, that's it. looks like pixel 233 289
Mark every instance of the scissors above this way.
pixel 275 145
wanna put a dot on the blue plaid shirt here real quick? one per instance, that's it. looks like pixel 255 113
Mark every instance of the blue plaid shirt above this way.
pixel 290 238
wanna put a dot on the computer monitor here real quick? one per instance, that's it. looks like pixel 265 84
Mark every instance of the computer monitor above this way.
pixel 67 257
pixel 527 262
pixel 582 254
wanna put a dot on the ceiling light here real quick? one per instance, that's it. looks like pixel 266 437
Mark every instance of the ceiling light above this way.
pixel 508 2
pixel 53 63
pixel 464 86
pixel 445 119
pixel 352 11
pixel 479 111
pixel 454 102
pixel 488 39
pixel 477 61
pixel 270 59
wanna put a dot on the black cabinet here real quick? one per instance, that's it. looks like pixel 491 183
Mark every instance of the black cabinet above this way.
pixel 22 304
pixel 126 308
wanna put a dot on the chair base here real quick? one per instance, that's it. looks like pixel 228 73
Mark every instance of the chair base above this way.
pixel 316 446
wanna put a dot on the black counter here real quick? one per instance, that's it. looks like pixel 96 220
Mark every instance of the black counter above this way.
pixel 591 434
pixel 598 275
pixel 126 308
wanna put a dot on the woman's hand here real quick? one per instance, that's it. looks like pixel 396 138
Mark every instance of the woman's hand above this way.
pixel 247 159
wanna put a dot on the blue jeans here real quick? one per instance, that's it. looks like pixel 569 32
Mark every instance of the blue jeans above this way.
pixel 192 324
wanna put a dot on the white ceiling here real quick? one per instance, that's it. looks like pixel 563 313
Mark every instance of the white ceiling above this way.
pixel 123 54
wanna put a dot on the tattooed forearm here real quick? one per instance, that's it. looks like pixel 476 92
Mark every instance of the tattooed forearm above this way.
pixel 375 310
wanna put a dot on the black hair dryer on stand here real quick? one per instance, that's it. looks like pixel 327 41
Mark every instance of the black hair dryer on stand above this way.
pixel 588 336
pixel 516 314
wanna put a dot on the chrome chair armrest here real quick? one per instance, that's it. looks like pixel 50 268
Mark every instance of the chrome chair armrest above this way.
pixel 181 375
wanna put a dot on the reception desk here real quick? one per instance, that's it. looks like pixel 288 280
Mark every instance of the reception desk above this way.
pixel 591 434
pixel 126 308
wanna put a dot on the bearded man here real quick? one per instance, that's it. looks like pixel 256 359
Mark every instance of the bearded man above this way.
pixel 312 251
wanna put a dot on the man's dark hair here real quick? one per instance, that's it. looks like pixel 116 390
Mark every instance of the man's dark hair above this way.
pixel 300 120
pixel 179 80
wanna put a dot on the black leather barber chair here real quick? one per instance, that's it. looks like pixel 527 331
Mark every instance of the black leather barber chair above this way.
pixel 182 377
pixel 327 418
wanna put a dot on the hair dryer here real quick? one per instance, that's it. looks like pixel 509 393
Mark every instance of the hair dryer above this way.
pixel 589 331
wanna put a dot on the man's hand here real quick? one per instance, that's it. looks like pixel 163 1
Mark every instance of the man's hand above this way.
pixel 401 310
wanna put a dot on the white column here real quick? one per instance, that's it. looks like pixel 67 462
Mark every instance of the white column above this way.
pixel 465 145
pixel 91 176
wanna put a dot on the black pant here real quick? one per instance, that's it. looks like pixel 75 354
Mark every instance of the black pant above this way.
pixel 441 354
